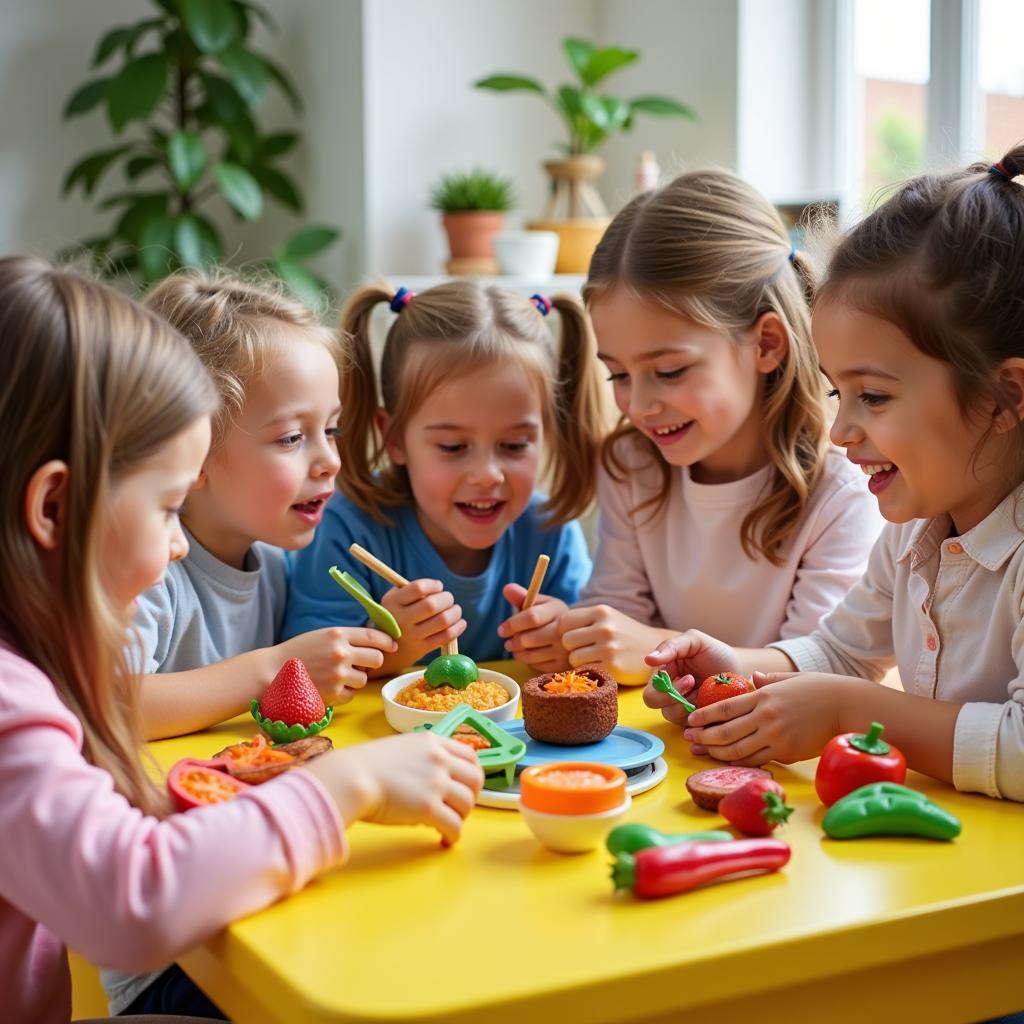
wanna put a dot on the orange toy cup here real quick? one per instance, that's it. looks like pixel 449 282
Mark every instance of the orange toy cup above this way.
pixel 572 787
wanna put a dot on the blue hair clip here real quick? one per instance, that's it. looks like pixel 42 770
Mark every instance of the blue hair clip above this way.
pixel 402 298
pixel 792 255
pixel 542 302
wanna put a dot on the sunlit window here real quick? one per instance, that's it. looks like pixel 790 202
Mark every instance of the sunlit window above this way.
pixel 891 62
pixel 1001 74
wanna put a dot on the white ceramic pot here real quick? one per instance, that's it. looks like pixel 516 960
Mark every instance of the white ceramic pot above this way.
pixel 404 719
pixel 573 833
pixel 530 254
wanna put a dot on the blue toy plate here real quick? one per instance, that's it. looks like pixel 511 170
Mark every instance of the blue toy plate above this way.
pixel 625 748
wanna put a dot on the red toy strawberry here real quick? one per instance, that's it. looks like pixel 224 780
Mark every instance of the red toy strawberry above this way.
pixel 291 707
pixel 756 808
pixel 722 685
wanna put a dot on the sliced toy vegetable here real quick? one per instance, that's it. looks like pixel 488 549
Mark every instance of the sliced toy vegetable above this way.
pixel 852 760
pixel 888 809
pixel 633 837
pixel 193 783
pixel 757 808
pixel 667 870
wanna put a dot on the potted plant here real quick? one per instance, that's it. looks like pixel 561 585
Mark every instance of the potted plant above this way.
pixel 590 118
pixel 473 205
pixel 181 99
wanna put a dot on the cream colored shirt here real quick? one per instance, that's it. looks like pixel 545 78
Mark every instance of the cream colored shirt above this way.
pixel 686 568
pixel 949 612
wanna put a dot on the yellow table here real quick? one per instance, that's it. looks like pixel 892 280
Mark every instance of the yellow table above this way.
pixel 499 930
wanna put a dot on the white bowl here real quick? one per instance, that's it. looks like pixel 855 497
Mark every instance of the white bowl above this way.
pixel 531 254
pixel 573 833
pixel 403 719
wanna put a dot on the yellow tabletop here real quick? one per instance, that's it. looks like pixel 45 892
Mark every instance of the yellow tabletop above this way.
pixel 498 929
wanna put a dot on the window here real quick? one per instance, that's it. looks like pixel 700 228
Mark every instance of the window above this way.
pixel 1001 75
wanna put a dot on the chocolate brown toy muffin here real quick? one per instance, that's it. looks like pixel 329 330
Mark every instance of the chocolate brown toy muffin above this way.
pixel 573 707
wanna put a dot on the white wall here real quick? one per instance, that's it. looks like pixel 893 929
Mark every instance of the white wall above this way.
pixel 390 107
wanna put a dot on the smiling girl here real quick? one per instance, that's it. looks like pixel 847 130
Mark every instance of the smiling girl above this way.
pixel 721 505
pixel 439 476
pixel 920 330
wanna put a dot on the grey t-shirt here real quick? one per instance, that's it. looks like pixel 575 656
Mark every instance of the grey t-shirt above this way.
pixel 202 612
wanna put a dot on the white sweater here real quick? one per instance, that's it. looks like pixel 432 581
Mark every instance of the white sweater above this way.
pixel 686 569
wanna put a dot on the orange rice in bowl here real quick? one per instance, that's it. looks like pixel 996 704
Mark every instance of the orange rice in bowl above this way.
pixel 409 701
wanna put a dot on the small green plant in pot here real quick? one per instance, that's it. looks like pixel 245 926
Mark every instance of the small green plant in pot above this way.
pixel 180 89
pixel 575 210
pixel 473 205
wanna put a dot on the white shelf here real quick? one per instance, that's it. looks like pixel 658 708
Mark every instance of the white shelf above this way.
pixel 555 283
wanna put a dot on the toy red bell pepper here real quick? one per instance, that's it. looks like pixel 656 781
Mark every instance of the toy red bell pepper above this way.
pixel 852 760
pixel 667 870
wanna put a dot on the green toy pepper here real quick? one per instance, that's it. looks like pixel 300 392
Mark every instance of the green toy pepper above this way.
pixel 633 837
pixel 888 809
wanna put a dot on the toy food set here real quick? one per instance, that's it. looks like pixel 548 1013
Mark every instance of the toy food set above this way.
pixel 888 809
pixel 757 808
pixel 709 787
pixel 572 707
pixel 720 686
pixel 496 750
pixel 198 783
pixel 570 805
pixel 634 837
pixel 379 615
pixel 662 682
pixel 852 760
pixel 291 707
pixel 657 871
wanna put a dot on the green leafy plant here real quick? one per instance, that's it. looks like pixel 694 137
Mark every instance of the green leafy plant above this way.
pixel 181 100
pixel 589 116
pixel 472 190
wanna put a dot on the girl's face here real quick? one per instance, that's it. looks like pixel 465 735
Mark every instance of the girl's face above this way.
pixel 472 451
pixel 899 420
pixel 692 390
pixel 141 532
pixel 273 473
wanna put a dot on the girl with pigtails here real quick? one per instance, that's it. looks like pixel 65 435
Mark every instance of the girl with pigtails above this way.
pixel 439 471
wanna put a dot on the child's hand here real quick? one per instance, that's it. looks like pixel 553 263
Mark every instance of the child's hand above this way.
pixel 605 635
pixel 534 636
pixel 413 779
pixel 427 615
pixel 791 716
pixel 338 658
pixel 687 658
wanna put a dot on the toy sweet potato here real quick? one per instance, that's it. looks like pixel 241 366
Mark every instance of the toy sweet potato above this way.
pixel 257 761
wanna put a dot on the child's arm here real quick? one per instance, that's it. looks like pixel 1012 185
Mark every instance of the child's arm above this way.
pixel 338 659
pixel 791 717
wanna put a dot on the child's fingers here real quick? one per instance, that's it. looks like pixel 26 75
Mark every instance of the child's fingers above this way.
pixel 678 648
pixel 544 636
pixel 698 750
pixel 755 760
pixel 436 604
pixel 460 798
pixel 732 752
pixel 514 594
pixel 723 710
pixel 522 622
pixel 577 618
pixel 590 655
pixel 446 821
pixel 442 636
pixel 767 678
pixel 412 592
pixel 368 657
pixel 722 735
pixel 342 695
pixel 367 636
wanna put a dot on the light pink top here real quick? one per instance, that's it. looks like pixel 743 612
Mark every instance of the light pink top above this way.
pixel 949 612
pixel 80 866
pixel 686 569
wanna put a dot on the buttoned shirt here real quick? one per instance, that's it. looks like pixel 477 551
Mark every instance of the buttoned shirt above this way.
pixel 948 611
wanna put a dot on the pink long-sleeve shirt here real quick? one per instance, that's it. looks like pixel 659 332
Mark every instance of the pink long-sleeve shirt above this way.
pixel 80 866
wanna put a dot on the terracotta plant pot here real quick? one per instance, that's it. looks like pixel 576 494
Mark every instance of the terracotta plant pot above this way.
pixel 471 241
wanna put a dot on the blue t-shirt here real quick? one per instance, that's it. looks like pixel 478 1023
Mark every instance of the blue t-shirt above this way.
pixel 315 600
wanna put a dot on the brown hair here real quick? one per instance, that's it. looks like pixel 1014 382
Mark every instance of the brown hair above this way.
pixel 710 248
pixel 455 329
pixel 234 325
pixel 98 382
pixel 943 260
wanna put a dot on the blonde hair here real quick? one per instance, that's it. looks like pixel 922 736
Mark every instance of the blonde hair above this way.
pixel 96 381
pixel 454 329
pixel 710 248
pixel 234 325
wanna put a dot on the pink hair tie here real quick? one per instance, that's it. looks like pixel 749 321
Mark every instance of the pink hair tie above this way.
pixel 542 302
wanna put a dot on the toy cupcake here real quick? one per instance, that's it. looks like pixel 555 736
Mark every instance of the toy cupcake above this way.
pixel 571 708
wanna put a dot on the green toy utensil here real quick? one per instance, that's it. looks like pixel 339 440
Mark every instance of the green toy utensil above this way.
pixel 662 682
pixel 379 615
